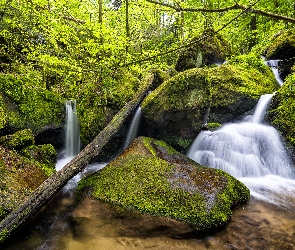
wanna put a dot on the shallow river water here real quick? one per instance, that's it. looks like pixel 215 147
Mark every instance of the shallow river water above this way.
pixel 91 224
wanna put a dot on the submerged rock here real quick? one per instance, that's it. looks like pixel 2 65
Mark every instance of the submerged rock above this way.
pixel 153 178
pixel 177 110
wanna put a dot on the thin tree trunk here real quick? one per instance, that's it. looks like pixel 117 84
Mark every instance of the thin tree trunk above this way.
pixel 54 183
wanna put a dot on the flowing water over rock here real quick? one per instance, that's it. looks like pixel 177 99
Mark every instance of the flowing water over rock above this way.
pixel 72 130
pixel 274 65
pixel 253 153
pixel 133 129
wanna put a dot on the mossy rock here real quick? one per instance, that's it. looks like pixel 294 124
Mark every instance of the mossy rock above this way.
pixel 45 154
pixel 179 108
pixel 18 140
pixel 20 176
pixel 153 178
pixel 207 49
pixel 28 104
pixel 283 46
pixel 281 113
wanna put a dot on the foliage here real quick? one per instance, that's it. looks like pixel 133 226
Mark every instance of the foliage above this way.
pixel 28 104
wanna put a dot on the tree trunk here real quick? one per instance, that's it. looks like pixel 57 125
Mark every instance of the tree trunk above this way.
pixel 54 183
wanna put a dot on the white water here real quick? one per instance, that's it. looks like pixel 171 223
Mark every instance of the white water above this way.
pixel 73 146
pixel 273 64
pixel 72 130
pixel 133 129
pixel 253 153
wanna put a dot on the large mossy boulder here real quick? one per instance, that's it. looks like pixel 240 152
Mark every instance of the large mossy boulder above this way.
pixel 281 113
pixel 19 177
pixel 283 48
pixel 153 178
pixel 207 49
pixel 178 109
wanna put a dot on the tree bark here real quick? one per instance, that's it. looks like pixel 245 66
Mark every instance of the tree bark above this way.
pixel 54 183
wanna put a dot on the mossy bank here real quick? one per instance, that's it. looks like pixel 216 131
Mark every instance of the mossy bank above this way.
pixel 153 178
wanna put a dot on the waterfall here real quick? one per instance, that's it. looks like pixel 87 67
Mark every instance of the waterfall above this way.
pixel 274 64
pixel 250 151
pixel 261 108
pixel 72 130
pixel 133 129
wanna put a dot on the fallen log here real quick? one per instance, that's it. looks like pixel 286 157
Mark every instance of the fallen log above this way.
pixel 54 183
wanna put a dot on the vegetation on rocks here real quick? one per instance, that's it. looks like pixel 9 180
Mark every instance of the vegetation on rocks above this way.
pixel 281 113
pixel 151 177
pixel 183 104
pixel 282 46
pixel 20 176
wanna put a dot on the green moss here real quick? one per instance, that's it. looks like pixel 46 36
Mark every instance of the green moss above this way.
pixel 3 235
pixel 145 178
pixel 44 154
pixel 213 125
pixel 18 140
pixel 28 104
pixel 283 46
pixel 281 113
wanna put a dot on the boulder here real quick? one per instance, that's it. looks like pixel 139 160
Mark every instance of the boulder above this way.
pixel 18 140
pixel 178 109
pixel 19 177
pixel 153 178
pixel 207 49
pixel 283 48
pixel 281 112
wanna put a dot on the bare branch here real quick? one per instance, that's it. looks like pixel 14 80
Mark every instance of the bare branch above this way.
pixel 236 6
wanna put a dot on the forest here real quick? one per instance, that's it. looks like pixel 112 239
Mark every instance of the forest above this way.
pixel 205 63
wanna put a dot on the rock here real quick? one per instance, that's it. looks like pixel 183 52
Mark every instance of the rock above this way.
pixel 281 112
pixel 44 154
pixel 153 178
pixel 18 140
pixel 282 46
pixel 212 49
pixel 19 177
pixel 177 110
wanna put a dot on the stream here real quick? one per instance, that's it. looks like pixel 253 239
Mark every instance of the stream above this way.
pixel 266 222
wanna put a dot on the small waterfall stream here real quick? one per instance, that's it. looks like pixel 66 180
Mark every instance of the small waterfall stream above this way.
pixel 274 64
pixel 72 128
pixel 133 129
pixel 252 152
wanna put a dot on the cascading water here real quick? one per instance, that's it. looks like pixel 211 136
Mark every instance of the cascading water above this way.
pixel 133 129
pixel 274 65
pixel 72 140
pixel 252 152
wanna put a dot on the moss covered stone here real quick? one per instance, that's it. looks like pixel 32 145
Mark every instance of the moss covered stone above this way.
pixel 207 49
pixel 153 178
pixel 19 177
pixel 281 113
pixel 180 107
pixel 282 46
pixel 18 140
pixel 45 154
